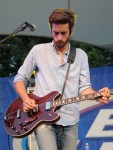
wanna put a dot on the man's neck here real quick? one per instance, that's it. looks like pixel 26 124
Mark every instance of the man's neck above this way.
pixel 63 50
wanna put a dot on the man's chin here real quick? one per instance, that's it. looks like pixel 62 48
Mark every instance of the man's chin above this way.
pixel 60 46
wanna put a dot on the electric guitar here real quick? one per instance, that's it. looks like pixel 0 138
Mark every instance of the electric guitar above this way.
pixel 19 124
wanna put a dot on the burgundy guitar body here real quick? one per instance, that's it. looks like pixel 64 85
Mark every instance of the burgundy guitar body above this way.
pixel 20 124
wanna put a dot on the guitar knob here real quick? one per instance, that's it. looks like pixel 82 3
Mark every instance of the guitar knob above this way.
pixel 20 123
pixel 25 128
pixel 26 121
pixel 13 127
pixel 17 132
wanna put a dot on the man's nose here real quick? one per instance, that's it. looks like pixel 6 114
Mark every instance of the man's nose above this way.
pixel 59 36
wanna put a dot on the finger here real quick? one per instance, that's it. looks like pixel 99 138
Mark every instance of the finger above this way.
pixel 103 101
pixel 30 103
pixel 105 94
pixel 106 90
pixel 27 107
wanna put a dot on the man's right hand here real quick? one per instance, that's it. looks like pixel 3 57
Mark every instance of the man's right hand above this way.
pixel 29 104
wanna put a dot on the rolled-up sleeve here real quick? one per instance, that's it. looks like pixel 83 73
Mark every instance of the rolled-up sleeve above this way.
pixel 25 71
pixel 84 81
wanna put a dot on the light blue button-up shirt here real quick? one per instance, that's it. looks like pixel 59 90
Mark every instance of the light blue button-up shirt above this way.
pixel 50 76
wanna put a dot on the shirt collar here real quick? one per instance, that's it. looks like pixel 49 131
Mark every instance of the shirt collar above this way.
pixel 54 49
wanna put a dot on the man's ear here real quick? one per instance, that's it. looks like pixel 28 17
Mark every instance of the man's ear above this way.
pixel 71 33
pixel 50 28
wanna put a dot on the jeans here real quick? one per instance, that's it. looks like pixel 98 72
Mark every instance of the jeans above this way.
pixel 57 137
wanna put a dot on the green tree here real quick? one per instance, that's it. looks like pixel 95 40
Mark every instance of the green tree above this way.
pixel 14 51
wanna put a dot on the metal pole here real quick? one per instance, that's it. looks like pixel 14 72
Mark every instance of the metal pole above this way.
pixel 68 4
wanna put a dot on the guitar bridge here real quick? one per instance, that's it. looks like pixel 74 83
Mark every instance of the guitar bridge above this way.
pixel 48 105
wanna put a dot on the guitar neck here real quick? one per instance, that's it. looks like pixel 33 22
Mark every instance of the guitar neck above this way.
pixel 60 102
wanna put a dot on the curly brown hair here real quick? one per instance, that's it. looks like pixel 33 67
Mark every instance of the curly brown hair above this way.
pixel 63 16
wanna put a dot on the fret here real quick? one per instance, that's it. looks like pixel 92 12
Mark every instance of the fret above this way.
pixel 59 102
pixel 63 101
pixel 73 99
pixel 83 97
pixel 87 97
pixel 94 95
pixel 66 101
pixel 56 103
pixel 77 99
pixel 69 100
pixel 98 94
pixel 52 104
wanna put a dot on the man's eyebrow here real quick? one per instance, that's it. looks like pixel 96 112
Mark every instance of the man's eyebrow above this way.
pixel 60 32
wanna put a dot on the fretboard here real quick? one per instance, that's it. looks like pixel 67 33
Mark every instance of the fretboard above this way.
pixel 60 102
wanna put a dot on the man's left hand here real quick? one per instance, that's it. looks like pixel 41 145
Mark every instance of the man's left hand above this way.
pixel 105 92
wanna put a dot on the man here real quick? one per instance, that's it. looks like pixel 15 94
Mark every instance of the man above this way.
pixel 50 62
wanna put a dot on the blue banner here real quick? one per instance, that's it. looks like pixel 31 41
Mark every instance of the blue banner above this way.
pixel 96 127
pixel 96 120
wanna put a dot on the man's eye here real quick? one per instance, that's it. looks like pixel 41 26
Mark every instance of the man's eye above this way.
pixel 56 33
pixel 63 33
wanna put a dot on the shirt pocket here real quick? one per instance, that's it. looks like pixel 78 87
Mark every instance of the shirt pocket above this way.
pixel 73 82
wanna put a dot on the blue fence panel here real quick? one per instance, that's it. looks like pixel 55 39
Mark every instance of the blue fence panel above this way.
pixel 7 94
pixel 100 77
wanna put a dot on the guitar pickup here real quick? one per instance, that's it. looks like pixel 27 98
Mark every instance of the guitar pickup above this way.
pixel 18 113
pixel 48 105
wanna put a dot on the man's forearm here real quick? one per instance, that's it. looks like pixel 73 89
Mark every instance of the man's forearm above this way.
pixel 20 88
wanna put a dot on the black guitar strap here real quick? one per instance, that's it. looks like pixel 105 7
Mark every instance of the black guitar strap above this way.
pixel 71 56
pixel 70 60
